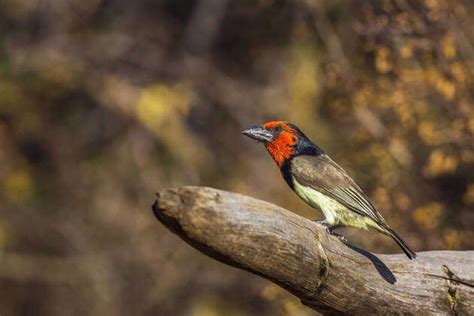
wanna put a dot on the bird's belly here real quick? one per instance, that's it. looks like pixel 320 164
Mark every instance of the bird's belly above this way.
pixel 334 212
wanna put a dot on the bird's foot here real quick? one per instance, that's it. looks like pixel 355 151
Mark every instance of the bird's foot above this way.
pixel 339 236
pixel 321 222
pixel 330 229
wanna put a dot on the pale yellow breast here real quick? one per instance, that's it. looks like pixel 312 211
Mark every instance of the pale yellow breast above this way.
pixel 334 212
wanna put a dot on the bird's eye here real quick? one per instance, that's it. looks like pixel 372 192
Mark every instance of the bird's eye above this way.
pixel 277 128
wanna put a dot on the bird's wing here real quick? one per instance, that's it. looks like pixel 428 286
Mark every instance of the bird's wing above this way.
pixel 324 175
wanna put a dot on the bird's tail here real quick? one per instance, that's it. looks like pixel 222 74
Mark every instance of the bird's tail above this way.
pixel 410 253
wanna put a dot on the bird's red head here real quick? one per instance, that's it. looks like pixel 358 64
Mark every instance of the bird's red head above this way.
pixel 283 140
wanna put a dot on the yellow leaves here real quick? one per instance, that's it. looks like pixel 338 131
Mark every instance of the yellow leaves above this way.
pixel 382 60
pixel 117 93
pixel 18 185
pixel 440 163
pixel 411 75
pixel 399 150
pixel 406 51
pixel 397 97
pixel 405 22
pixel 160 102
pixel 432 135
pixel 432 4
pixel 452 238
pixel 209 305
pixel 446 88
pixel 405 113
pixel 428 215
pixel 428 134
pixel 292 308
pixel 458 70
pixel 468 197
pixel 402 201
pixel 272 292
pixel 443 86
pixel 448 47
pixel 361 97
pixel 163 110
pixel 303 81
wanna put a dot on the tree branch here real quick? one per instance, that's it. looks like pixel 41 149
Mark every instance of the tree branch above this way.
pixel 297 254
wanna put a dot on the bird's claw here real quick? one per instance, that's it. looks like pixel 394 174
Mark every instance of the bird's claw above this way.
pixel 330 229
pixel 321 222
pixel 340 237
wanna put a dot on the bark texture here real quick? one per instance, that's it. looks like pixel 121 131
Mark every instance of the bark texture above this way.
pixel 326 274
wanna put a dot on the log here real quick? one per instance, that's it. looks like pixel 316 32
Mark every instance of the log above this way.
pixel 328 275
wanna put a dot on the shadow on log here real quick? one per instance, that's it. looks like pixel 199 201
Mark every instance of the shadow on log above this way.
pixel 297 254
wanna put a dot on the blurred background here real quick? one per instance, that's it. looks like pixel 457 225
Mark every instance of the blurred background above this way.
pixel 104 102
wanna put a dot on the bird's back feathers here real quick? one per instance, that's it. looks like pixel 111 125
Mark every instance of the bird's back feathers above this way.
pixel 323 174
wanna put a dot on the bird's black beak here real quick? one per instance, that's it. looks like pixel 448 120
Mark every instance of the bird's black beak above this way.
pixel 258 133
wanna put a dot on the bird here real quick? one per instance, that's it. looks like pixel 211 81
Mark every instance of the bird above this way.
pixel 320 181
